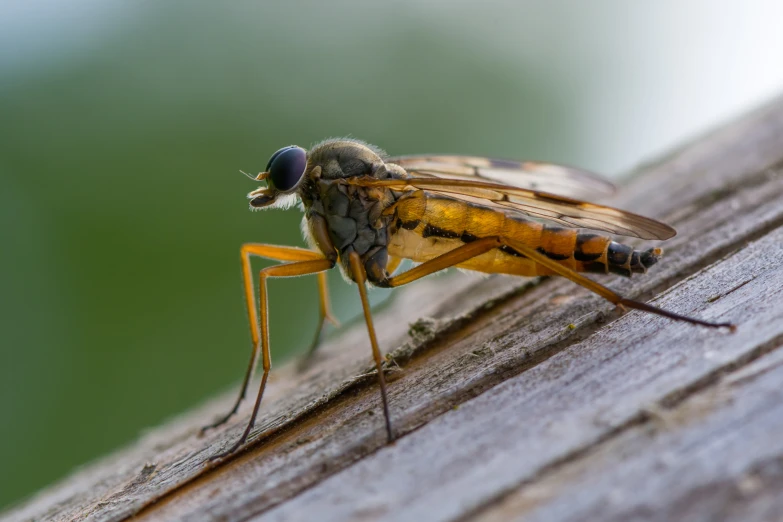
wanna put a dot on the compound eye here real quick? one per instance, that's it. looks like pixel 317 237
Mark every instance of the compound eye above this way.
pixel 286 167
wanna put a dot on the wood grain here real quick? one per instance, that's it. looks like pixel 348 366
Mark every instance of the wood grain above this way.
pixel 512 396
pixel 715 456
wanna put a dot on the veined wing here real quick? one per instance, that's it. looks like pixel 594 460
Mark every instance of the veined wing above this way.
pixel 560 209
pixel 545 177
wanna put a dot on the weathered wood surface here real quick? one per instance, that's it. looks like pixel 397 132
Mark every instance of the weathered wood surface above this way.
pixel 519 400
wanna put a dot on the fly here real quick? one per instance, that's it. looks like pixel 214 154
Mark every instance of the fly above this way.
pixel 366 212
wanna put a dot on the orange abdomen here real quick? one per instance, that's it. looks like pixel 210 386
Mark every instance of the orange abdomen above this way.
pixel 426 227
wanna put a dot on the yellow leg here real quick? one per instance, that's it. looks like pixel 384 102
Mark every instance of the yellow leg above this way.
pixel 276 253
pixel 478 247
pixel 325 308
pixel 325 315
pixel 361 278
pixel 297 268
pixel 603 291
pixel 451 258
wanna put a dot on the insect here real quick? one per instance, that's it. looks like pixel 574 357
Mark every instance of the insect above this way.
pixel 366 212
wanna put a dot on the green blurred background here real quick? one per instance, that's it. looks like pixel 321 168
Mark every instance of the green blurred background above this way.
pixel 123 126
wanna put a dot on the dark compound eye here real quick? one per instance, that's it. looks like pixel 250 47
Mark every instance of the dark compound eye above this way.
pixel 286 167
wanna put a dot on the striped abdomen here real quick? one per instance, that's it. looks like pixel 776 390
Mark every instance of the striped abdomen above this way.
pixel 599 254
pixel 426 227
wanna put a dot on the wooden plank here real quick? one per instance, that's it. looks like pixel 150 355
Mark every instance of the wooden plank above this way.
pixel 728 192
pixel 717 455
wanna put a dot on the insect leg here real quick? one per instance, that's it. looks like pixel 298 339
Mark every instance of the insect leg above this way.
pixel 297 268
pixel 478 247
pixel 601 290
pixel 325 315
pixel 275 253
pixel 451 258
pixel 446 260
pixel 360 277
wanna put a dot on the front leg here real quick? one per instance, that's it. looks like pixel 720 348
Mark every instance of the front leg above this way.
pixel 297 268
pixel 294 256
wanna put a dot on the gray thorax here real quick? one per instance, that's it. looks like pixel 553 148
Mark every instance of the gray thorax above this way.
pixel 355 223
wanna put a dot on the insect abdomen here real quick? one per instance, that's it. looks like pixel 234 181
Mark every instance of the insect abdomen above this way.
pixel 601 255
pixel 579 251
pixel 428 227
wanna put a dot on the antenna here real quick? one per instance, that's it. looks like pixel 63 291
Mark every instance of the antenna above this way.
pixel 248 175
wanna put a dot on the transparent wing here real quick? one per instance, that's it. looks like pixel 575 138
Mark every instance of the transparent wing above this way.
pixel 560 209
pixel 545 177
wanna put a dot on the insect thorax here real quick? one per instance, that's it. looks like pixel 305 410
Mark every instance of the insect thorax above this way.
pixel 345 158
pixel 354 216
